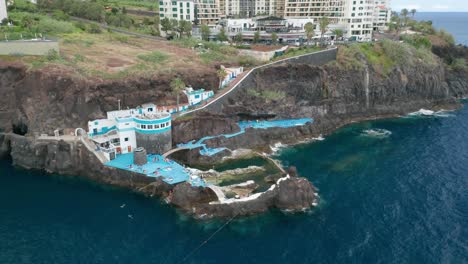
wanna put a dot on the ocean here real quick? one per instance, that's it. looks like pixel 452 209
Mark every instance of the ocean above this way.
pixel 396 196
pixel 453 22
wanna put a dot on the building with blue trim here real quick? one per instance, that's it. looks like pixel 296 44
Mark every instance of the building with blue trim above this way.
pixel 125 130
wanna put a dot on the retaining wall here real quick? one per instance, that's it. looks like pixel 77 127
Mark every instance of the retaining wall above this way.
pixel 24 47
pixel 317 58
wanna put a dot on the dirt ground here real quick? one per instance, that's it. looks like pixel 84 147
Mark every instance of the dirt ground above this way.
pixel 110 53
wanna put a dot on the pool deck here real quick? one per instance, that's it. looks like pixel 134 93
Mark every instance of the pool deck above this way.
pixel 173 173
pixel 170 171
pixel 205 151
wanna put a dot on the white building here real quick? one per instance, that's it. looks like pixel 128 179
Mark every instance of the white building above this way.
pixel 382 15
pixel 231 74
pixel 288 30
pixel 197 96
pixel 179 9
pixel 119 132
pixel 3 10
pixel 360 15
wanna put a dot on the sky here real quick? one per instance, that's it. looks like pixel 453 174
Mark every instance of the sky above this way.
pixel 431 5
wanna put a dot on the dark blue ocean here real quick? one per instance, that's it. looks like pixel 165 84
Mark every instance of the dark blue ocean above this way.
pixel 402 198
pixel 455 23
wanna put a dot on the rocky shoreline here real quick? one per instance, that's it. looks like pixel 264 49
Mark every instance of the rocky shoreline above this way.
pixel 35 103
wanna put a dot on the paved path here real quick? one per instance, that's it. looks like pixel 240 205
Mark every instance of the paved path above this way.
pixel 217 190
pixel 122 31
pixel 86 142
pixel 235 83
pixel 172 151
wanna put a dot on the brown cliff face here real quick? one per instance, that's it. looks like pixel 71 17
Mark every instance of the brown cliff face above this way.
pixel 51 98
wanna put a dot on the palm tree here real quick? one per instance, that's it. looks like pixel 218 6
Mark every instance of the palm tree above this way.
pixel 177 85
pixel 413 12
pixel 309 29
pixel 324 22
pixel 274 38
pixel 338 33
pixel 221 75
pixel 404 14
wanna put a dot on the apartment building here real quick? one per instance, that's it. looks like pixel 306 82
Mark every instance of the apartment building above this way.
pixel 247 8
pixel 207 12
pixel 3 10
pixel 177 9
pixel 360 16
pixel 355 17
pixel 382 14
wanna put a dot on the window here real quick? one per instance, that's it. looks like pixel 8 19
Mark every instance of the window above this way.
pixel 174 15
pixel 143 126
pixel 138 126
pixel 156 126
pixel 127 124
pixel 150 109
pixel 163 125
pixel 167 123
pixel 174 3
pixel 150 126
pixel 188 4
pixel 197 96
pixel 126 139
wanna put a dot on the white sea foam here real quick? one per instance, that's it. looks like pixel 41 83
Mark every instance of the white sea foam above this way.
pixel 277 146
pixel 319 138
pixel 430 113
pixel 377 132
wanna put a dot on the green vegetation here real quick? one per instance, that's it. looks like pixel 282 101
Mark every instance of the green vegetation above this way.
pixel 35 25
pixel 324 22
pixel 211 52
pixel 309 29
pixel 459 64
pixel 274 38
pixel 205 32
pixel 267 95
pixel 417 41
pixel 222 35
pixel 156 57
pixel 256 37
pixel 385 55
pixel 177 86
pixel 297 52
pixel 173 27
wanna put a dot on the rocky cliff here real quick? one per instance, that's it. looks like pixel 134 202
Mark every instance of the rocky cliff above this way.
pixel 40 101
pixel 334 96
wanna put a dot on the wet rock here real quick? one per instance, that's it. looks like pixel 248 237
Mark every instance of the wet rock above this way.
pixel 186 196
pixel 295 194
pixel 292 171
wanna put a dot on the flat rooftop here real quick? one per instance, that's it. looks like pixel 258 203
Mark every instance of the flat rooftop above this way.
pixel 152 116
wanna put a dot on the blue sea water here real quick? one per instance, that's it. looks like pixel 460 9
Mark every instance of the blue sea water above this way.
pixel 453 22
pixel 398 198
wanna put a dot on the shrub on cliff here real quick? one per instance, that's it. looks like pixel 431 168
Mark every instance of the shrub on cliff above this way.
pixel 384 56
pixel 154 57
